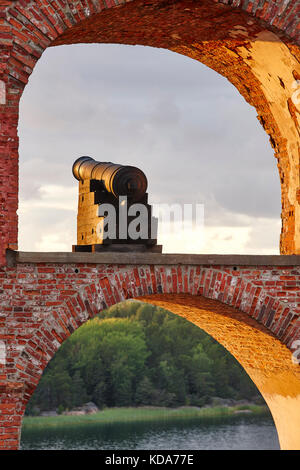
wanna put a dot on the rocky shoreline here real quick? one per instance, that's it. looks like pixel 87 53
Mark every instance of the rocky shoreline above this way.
pixel 91 408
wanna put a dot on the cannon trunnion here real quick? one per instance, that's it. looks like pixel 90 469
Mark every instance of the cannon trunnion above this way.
pixel 113 209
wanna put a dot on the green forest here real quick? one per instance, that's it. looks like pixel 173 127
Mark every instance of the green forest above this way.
pixel 135 354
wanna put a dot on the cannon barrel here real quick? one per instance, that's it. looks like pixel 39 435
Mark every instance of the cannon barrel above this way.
pixel 117 179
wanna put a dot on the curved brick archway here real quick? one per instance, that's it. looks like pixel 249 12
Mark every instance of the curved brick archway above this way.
pixel 256 46
pixel 253 44
pixel 238 307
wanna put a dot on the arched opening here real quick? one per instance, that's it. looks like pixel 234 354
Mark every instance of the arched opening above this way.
pixel 260 61
pixel 183 124
pixel 266 360
pixel 137 355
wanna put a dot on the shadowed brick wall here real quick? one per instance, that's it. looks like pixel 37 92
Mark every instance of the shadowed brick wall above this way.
pixel 42 303
pixel 253 44
pixel 250 307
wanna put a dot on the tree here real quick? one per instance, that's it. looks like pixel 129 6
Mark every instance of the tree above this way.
pixel 145 392
pixel 79 395
pixel 134 353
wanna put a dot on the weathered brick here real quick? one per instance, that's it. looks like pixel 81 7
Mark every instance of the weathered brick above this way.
pixel 54 300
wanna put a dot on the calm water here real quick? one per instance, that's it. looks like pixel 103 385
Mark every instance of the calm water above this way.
pixel 240 434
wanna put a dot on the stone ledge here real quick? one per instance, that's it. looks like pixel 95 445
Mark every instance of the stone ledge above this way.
pixel 15 257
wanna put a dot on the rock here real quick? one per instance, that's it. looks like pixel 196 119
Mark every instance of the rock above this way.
pixel 74 413
pixel 242 411
pixel 86 409
pixel 48 413
pixel 90 408
pixel 218 401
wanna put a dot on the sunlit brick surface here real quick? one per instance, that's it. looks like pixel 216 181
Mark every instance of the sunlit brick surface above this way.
pixel 42 304
pixel 253 44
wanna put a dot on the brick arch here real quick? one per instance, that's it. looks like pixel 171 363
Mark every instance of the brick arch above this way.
pixel 254 45
pixel 250 322
pixel 266 361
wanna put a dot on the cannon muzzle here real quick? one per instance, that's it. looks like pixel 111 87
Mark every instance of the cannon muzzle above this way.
pixel 116 179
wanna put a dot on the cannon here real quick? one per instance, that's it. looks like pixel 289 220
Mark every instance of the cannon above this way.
pixel 110 197
pixel 118 180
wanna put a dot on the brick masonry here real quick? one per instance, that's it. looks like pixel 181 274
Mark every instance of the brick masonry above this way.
pixel 43 303
pixel 227 36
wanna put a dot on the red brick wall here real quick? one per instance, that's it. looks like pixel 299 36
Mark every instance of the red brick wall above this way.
pixel 42 304
pixel 27 28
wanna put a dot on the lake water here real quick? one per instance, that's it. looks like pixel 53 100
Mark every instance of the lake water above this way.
pixel 241 433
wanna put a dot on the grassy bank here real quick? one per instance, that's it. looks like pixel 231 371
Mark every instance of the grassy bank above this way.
pixel 127 415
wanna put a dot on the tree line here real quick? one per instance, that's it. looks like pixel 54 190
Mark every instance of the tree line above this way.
pixel 136 354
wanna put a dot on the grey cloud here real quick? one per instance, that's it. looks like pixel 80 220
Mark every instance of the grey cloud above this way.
pixel 40 223
pixel 187 127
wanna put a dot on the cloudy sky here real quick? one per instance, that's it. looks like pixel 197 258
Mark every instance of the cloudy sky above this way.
pixel 185 126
